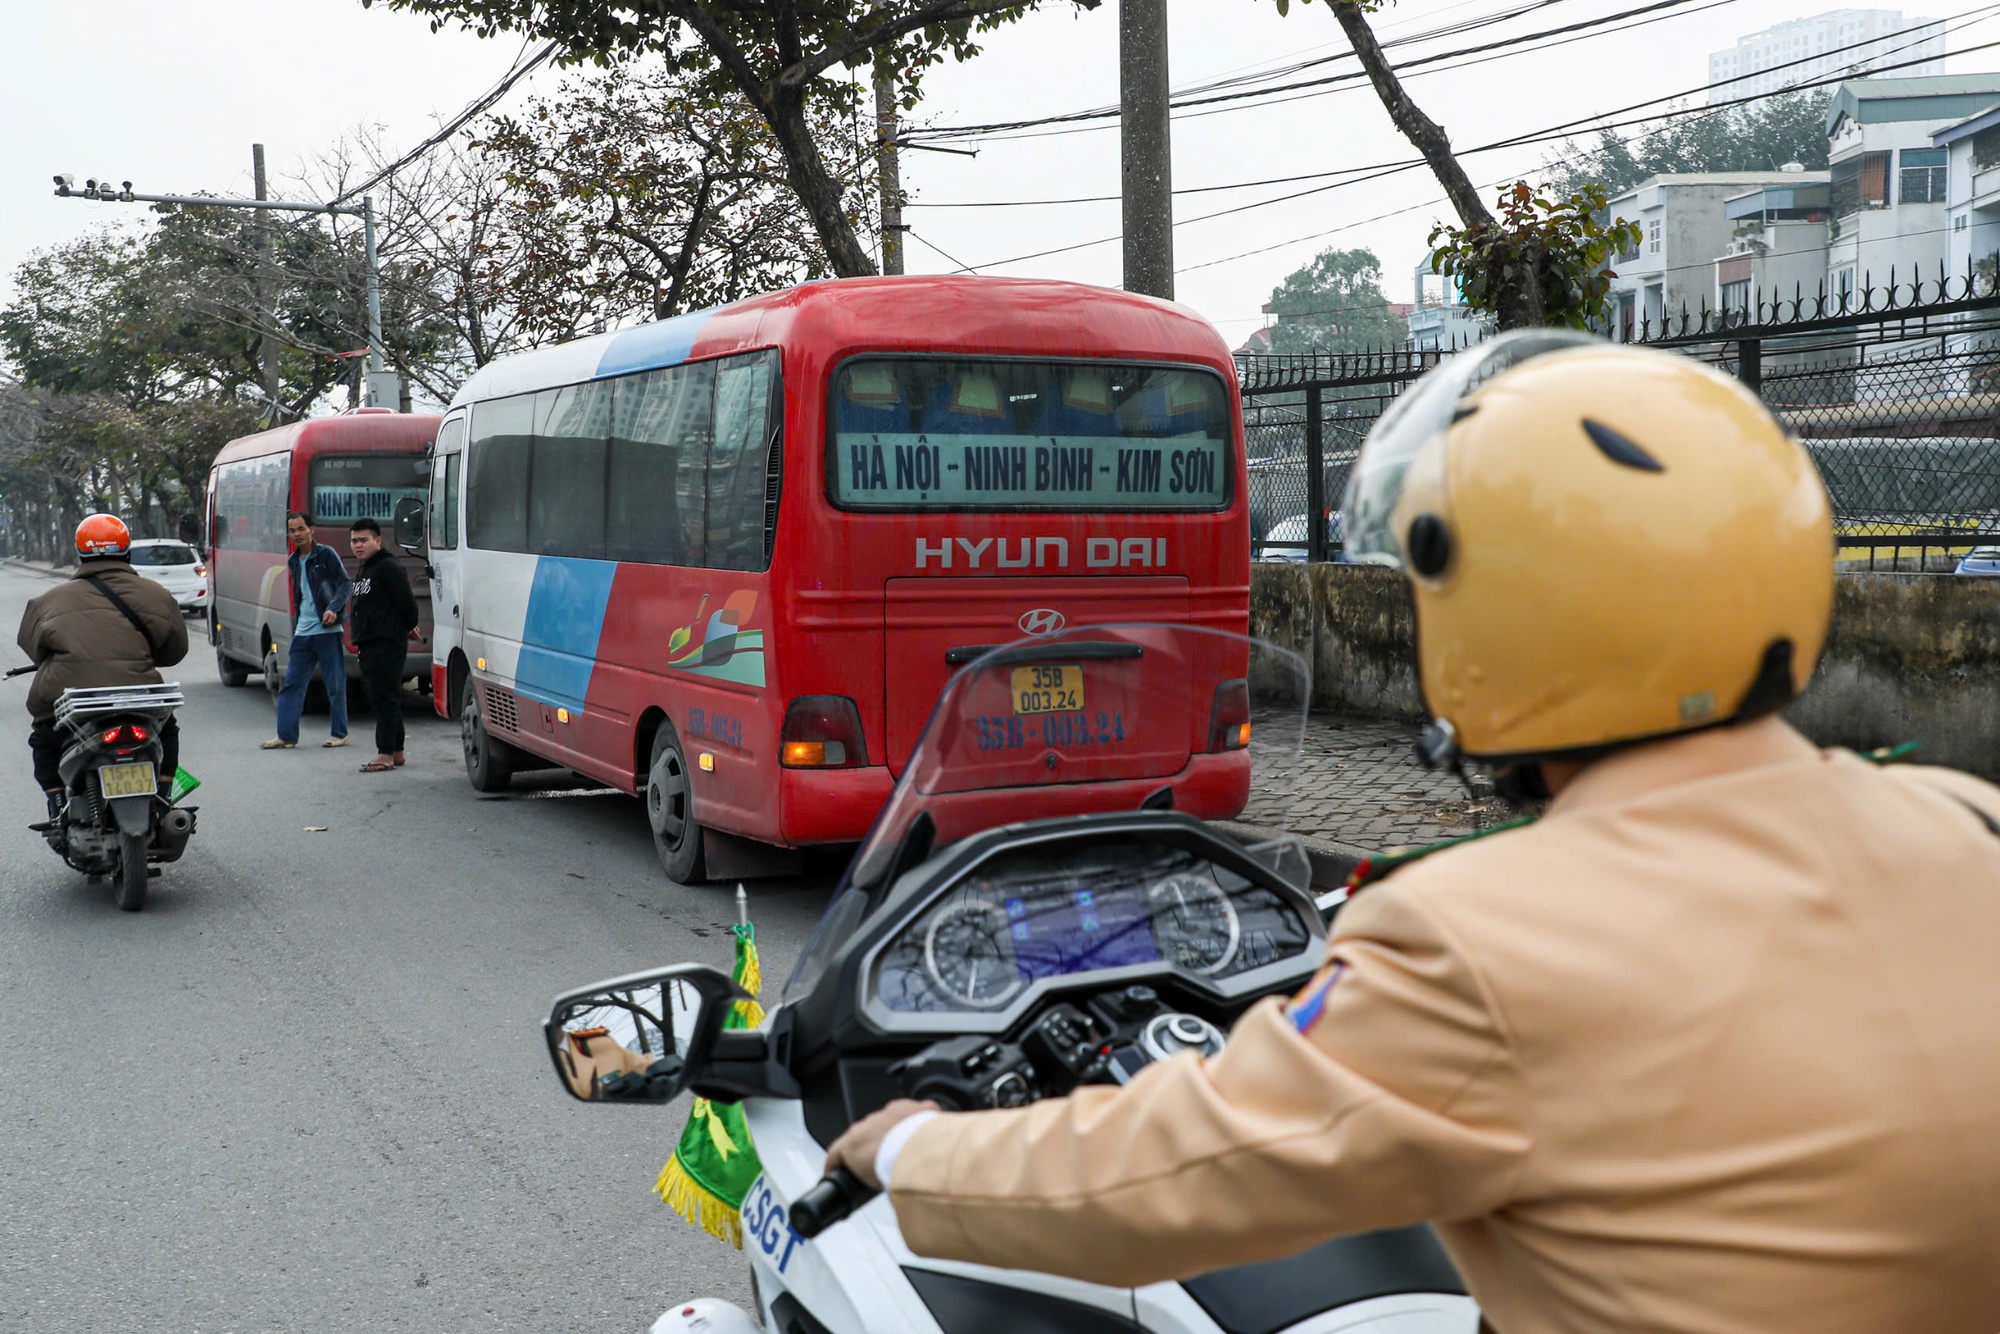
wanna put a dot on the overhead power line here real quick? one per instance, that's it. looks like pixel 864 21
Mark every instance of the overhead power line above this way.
pixel 499 90
pixel 1562 130
pixel 1003 129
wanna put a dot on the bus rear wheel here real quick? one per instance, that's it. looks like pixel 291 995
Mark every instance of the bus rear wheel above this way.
pixel 233 673
pixel 488 763
pixel 670 810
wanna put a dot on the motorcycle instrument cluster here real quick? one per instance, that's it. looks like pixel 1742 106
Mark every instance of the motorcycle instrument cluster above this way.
pixel 1031 915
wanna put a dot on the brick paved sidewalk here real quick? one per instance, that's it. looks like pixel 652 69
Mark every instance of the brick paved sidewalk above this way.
pixel 1361 790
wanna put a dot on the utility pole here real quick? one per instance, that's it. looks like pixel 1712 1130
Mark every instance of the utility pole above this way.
pixel 889 178
pixel 384 386
pixel 267 346
pixel 1146 147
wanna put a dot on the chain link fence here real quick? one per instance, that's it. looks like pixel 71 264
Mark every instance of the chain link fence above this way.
pixel 1895 392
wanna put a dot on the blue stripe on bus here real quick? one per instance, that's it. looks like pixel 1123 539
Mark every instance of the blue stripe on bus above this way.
pixel 649 346
pixel 566 605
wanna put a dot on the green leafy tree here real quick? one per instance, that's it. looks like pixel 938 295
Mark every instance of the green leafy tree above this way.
pixel 631 195
pixel 1527 264
pixel 1542 262
pixel 1758 136
pixel 1335 304
pixel 779 56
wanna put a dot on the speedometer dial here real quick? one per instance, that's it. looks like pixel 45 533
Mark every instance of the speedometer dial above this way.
pixel 1194 923
pixel 968 954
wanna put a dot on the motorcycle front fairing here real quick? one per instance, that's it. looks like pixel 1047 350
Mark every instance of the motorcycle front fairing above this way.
pixel 1046 901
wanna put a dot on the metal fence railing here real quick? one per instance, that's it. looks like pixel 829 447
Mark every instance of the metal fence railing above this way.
pixel 1894 391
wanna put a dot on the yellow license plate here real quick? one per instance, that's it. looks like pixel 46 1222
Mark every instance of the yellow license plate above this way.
pixel 1048 689
pixel 128 780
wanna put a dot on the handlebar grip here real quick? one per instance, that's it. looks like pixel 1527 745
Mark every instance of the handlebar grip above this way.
pixel 838 1194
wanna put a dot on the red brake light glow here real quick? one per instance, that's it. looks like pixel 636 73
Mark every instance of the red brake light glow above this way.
pixel 1229 723
pixel 822 732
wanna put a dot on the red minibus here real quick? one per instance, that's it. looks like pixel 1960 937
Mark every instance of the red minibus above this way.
pixel 366 463
pixel 726 561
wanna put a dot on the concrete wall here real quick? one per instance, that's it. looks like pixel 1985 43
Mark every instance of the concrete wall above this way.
pixel 1911 657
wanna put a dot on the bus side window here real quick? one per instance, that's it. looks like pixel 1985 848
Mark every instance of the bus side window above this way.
pixel 656 502
pixel 496 510
pixel 442 528
pixel 738 467
pixel 566 507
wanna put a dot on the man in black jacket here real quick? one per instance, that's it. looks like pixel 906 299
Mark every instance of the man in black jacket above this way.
pixel 385 620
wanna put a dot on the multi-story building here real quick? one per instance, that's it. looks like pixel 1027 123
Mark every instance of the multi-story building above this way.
pixel 1823 46
pixel 1889 179
pixel 1972 191
pixel 1777 244
pixel 1440 320
pixel 1683 225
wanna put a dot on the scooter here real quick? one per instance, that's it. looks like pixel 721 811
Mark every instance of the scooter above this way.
pixel 115 823
pixel 1045 901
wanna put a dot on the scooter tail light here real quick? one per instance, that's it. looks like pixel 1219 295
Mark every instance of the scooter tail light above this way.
pixel 111 735
pixel 822 732
pixel 1229 721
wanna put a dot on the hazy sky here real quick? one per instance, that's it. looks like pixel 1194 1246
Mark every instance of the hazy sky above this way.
pixel 172 96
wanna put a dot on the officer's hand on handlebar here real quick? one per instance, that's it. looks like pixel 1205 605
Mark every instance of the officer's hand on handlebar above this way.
pixel 855 1150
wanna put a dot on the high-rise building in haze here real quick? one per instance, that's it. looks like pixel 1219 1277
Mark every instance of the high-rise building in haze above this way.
pixel 1803 50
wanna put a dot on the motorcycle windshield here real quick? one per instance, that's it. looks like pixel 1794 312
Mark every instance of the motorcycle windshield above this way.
pixel 1089 720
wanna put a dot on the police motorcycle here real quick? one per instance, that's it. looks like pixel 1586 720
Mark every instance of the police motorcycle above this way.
pixel 1043 902
pixel 114 823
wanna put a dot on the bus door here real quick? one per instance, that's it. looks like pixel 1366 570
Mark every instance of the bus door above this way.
pixel 441 531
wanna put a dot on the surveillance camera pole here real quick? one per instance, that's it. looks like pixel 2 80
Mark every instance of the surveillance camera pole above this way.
pixel 377 389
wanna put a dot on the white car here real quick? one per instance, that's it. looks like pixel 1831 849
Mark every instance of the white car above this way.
pixel 175 566
pixel 1295 531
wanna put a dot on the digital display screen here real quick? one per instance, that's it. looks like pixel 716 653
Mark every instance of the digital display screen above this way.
pixel 1079 931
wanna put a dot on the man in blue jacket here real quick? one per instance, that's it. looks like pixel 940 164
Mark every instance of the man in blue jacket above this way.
pixel 319 598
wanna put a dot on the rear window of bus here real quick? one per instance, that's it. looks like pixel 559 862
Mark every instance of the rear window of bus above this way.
pixel 343 488
pixel 963 433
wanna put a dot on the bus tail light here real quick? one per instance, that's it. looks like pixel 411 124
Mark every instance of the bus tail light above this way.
pixel 822 732
pixel 1229 723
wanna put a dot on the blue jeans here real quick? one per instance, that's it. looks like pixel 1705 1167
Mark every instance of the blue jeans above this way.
pixel 308 651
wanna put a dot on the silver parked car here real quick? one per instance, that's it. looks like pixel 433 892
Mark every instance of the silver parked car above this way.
pixel 175 566
pixel 1980 560
pixel 1295 530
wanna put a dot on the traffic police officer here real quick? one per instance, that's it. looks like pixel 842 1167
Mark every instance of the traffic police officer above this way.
pixel 1709 1047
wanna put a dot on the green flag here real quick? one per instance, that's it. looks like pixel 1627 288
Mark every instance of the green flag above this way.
pixel 715 1163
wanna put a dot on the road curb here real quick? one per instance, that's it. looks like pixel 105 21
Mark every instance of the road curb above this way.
pixel 1332 861
pixel 33 567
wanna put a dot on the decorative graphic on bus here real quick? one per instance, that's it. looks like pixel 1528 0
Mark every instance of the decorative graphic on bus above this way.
pixel 720 646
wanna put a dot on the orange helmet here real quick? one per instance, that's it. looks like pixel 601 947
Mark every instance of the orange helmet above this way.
pixel 103 535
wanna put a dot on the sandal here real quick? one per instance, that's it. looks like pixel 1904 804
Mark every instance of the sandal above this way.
pixel 377 767
pixel 333 743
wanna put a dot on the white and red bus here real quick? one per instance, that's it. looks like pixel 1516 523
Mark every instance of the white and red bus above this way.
pixel 727 561
pixel 366 463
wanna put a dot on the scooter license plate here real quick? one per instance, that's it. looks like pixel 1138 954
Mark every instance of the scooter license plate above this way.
pixel 765 1225
pixel 1047 689
pixel 128 780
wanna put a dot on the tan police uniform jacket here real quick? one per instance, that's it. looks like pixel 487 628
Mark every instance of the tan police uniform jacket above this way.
pixel 1714 1046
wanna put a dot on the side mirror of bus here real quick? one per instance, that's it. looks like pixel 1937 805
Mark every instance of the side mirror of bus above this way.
pixel 410 524
pixel 189 529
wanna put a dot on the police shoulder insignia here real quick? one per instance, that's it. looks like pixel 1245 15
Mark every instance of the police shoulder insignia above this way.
pixel 1890 754
pixel 1308 1005
pixel 1383 864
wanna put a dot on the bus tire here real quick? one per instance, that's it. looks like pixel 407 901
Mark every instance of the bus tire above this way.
pixel 670 810
pixel 274 674
pixel 233 673
pixel 489 764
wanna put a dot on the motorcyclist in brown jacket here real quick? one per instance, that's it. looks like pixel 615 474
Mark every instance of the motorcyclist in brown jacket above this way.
pixel 78 637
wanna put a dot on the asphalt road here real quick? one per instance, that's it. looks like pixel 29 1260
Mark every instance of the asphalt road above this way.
pixel 305 1088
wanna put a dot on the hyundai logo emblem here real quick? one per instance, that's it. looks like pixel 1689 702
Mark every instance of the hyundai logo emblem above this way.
pixel 1040 621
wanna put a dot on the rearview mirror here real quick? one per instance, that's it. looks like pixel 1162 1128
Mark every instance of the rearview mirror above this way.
pixel 410 524
pixel 642 1038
